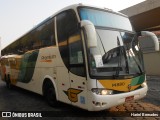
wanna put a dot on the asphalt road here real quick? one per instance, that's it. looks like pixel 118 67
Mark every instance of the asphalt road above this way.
pixel 21 100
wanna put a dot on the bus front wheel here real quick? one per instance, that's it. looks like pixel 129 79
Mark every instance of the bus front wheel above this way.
pixel 50 95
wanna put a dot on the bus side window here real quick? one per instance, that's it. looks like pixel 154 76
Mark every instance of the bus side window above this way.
pixel 62 37
pixel 70 43
pixel 45 34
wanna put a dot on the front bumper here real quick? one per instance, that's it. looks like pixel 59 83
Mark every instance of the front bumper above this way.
pixel 102 102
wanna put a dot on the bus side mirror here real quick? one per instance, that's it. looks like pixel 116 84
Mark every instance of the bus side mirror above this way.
pixel 90 33
pixel 148 42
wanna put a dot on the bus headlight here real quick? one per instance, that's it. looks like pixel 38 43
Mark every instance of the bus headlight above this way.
pixel 104 92
pixel 99 91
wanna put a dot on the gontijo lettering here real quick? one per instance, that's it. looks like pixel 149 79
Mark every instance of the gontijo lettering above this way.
pixel 48 57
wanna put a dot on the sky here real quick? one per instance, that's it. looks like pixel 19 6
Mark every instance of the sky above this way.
pixel 19 16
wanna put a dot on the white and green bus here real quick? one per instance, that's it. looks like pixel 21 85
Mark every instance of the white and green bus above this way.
pixel 85 56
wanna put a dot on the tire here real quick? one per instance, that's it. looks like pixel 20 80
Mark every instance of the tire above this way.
pixel 50 95
pixel 8 82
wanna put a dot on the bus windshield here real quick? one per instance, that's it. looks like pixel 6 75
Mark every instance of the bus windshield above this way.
pixel 105 19
pixel 117 53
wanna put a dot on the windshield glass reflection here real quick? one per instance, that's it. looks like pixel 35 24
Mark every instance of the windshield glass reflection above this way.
pixel 117 53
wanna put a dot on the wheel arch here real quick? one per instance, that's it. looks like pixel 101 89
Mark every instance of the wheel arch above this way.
pixel 47 79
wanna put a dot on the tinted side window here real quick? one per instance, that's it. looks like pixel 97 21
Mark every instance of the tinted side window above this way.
pixel 69 41
pixel 62 33
pixel 43 36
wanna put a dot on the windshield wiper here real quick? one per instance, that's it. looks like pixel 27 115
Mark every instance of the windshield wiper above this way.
pixel 134 57
pixel 130 53
pixel 106 55
pixel 136 62
pixel 125 56
pixel 101 41
pixel 119 60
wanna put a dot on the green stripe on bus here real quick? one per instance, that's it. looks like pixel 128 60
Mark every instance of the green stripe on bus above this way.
pixel 27 66
pixel 137 80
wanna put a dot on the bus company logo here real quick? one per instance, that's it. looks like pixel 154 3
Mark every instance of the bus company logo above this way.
pixel 118 84
pixel 6 114
pixel 47 58
pixel 72 94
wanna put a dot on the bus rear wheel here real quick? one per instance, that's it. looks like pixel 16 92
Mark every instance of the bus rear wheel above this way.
pixel 50 95
pixel 8 82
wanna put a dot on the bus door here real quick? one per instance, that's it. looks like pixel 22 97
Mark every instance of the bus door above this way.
pixel 77 93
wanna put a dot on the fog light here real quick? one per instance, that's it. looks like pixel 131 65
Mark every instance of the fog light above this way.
pixel 100 91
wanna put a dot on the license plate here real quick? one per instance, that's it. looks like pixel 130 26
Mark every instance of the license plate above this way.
pixel 130 98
